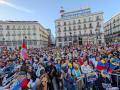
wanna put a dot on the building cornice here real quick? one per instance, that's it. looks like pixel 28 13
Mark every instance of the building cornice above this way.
pixel 81 16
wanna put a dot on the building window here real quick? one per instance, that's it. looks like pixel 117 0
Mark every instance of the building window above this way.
pixel 1 34
pixel 74 22
pixel 69 28
pixel 59 40
pixel 79 22
pixel 18 28
pixel 60 45
pixel 65 34
pixel 59 34
pixel 59 30
pixel 70 34
pixel 28 28
pixel 114 26
pixel 19 33
pixel 14 34
pixel 34 37
pixel 34 33
pixel 35 42
pixel 19 42
pixel 14 43
pixel 1 27
pixel 34 28
pixel 79 32
pixel 85 26
pixel 90 25
pixel 74 33
pixel 24 28
pixel 8 33
pixel 69 23
pixel 74 28
pixel 90 19
pixel 97 18
pixel 58 24
pixel 65 29
pixel 8 27
pixel 79 27
pixel 65 39
pixel 70 38
pixel 64 23
pixel 90 31
pixel 31 42
pixel 84 20
pixel 29 33
pixel 75 38
pixel 98 24
pixel 13 28
pixel 114 21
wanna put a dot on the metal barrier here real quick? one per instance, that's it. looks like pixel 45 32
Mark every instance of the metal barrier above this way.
pixel 117 75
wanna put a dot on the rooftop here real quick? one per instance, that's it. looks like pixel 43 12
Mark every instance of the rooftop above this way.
pixel 10 21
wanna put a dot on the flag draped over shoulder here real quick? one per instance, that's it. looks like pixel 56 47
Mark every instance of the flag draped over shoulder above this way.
pixel 24 54
pixel 113 65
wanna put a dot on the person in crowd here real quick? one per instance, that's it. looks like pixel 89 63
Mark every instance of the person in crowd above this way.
pixel 57 68
pixel 76 71
pixel 31 77
pixel 103 82
pixel 86 68
pixel 42 82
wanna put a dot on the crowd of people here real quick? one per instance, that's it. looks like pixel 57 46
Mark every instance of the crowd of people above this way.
pixel 72 67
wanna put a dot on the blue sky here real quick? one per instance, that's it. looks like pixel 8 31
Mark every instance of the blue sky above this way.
pixel 46 11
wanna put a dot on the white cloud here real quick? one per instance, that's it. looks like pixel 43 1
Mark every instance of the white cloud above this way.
pixel 4 2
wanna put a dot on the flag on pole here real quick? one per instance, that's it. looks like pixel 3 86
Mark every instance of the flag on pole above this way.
pixel 24 54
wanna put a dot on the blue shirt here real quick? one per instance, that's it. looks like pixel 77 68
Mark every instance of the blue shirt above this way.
pixel 17 86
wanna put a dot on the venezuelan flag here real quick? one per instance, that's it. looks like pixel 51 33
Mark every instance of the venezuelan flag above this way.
pixel 100 66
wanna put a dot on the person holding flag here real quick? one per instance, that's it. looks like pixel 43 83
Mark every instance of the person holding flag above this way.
pixel 24 53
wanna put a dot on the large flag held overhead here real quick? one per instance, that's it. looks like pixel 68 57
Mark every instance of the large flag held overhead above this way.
pixel 24 54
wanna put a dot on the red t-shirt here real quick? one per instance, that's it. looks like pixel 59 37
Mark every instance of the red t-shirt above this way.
pixel 81 61
pixel 24 83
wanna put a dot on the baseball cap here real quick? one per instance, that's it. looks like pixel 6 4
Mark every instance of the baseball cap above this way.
pixel 104 72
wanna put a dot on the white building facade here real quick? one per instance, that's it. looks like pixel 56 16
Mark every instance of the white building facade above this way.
pixel 79 26
pixel 112 29
pixel 12 34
